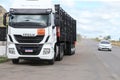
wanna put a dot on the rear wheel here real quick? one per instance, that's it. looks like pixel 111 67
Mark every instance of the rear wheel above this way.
pixel 70 49
pixel 73 49
pixel 15 61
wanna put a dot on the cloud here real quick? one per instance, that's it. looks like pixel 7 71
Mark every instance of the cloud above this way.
pixel 103 20
pixel 113 3
pixel 69 3
pixel 86 14
pixel 5 4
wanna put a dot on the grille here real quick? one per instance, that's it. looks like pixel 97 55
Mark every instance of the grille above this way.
pixel 36 48
pixel 22 39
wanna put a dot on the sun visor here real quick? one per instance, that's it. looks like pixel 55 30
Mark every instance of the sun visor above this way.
pixel 34 4
pixel 30 11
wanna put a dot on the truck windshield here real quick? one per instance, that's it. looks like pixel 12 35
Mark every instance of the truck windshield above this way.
pixel 29 21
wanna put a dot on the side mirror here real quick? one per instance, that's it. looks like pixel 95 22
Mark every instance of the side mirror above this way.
pixel 5 19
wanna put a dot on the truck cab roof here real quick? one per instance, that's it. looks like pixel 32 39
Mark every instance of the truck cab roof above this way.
pixel 32 4
pixel 30 11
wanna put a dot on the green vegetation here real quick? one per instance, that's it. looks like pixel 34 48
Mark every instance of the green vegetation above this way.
pixel 1 21
pixel 3 59
pixel 97 39
pixel 2 11
pixel 116 43
pixel 107 37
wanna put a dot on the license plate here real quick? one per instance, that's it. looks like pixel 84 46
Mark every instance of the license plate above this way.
pixel 28 50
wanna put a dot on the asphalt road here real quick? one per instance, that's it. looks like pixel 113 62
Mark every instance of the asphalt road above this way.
pixel 87 64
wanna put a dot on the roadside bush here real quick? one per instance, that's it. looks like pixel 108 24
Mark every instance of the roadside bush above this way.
pixel 3 59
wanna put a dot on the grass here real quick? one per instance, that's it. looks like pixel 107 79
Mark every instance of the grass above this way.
pixel 3 59
pixel 116 43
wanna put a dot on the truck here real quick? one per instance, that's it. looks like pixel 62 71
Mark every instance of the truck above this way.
pixel 42 33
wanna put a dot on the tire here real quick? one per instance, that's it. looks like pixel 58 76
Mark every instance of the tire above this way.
pixel 109 50
pixel 73 46
pixel 15 61
pixel 68 49
pixel 60 53
pixel 99 49
pixel 51 62
pixel 73 53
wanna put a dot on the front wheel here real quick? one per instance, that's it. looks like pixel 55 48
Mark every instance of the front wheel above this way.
pixel 51 62
pixel 99 49
pixel 60 52
pixel 109 50
pixel 15 61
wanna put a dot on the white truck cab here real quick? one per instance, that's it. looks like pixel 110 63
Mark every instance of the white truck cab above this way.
pixel 35 31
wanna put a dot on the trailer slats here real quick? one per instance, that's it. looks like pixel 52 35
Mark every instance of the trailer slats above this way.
pixel 67 25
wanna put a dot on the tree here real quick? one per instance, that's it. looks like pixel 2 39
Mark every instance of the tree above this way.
pixel 107 37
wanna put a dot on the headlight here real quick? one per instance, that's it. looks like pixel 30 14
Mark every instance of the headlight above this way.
pixel 11 50
pixel 46 51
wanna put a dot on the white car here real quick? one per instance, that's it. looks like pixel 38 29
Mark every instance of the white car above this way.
pixel 105 45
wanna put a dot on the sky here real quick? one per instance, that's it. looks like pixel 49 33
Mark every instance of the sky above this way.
pixel 94 17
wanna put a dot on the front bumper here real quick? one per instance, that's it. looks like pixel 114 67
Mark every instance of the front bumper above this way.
pixel 30 51
pixel 105 47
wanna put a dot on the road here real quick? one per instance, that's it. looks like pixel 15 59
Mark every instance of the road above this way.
pixel 87 64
